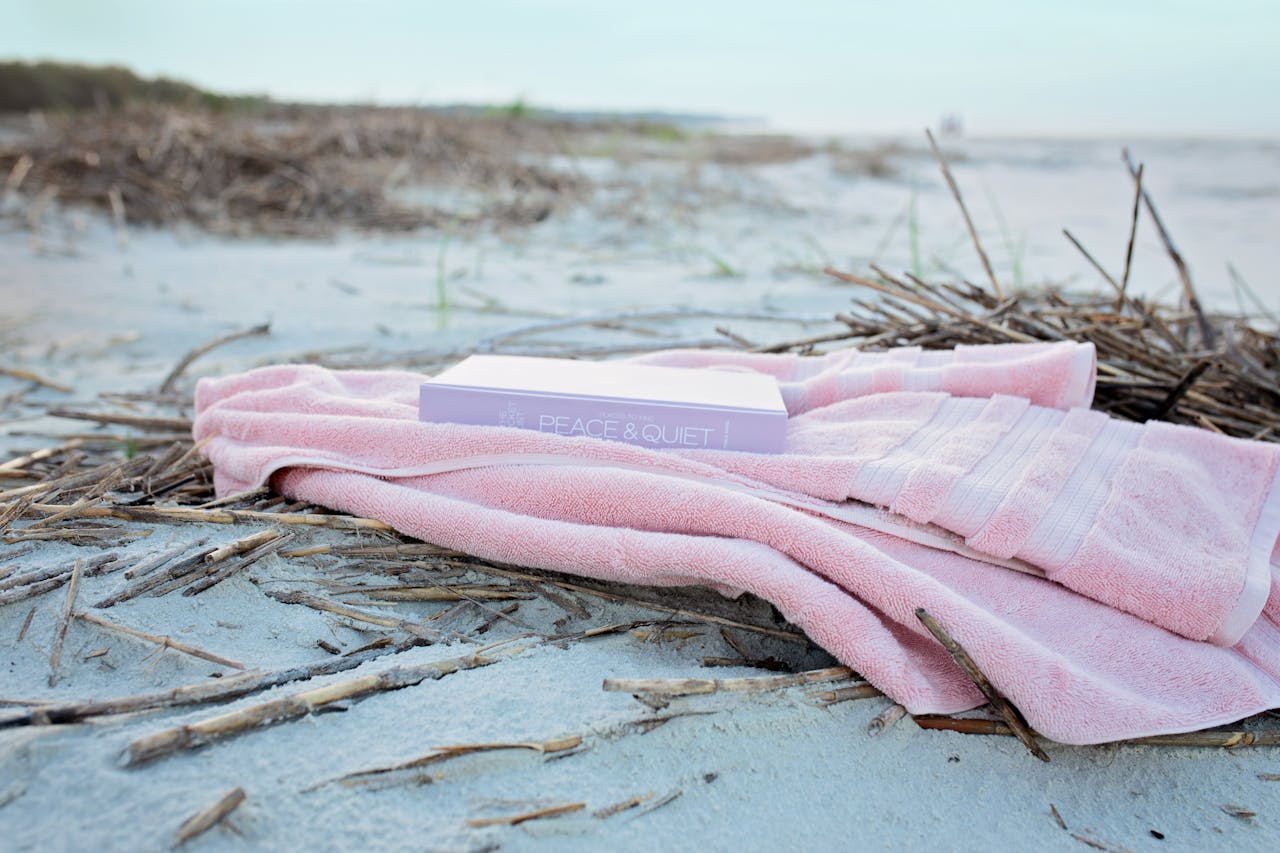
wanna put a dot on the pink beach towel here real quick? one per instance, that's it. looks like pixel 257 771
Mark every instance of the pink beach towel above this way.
pixel 1112 579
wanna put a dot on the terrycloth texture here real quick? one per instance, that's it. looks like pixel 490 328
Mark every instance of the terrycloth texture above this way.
pixel 1164 522
pixel 1155 520
pixel 1059 375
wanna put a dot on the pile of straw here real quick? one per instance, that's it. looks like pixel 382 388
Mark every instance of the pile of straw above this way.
pixel 1154 362
pixel 299 172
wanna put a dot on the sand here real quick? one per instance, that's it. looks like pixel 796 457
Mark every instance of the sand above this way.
pixel 739 771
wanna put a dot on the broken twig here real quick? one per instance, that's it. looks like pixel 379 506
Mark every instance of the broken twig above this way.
pixel 1001 705
pixel 207 818
pixel 183 363
pixel 55 658
pixel 294 705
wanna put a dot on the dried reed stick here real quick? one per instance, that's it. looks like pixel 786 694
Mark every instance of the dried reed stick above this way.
pixel 515 819
pixel 695 686
pixel 205 692
pixel 1217 739
pixel 30 376
pixel 31 590
pixel 1184 275
pixel 968 221
pixel 442 592
pixel 845 694
pixel 26 623
pixel 215 573
pixel 622 806
pixel 154 562
pixel 315 602
pixel 885 719
pixel 1001 705
pixel 152 424
pixel 163 642
pixel 219 516
pixel 166 385
pixel 594 592
pixel 444 753
pixel 1133 233
pixel 294 705
pixel 20 462
pixel 55 657
pixel 239 546
pixel 153 581
pixel 207 818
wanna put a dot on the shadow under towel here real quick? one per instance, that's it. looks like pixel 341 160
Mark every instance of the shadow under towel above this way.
pixel 1114 580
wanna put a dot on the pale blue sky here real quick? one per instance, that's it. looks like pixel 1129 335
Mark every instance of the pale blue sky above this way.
pixel 1080 68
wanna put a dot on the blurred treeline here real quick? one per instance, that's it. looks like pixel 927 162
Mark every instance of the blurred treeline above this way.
pixel 65 86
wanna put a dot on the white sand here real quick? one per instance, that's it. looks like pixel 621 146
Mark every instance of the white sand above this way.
pixel 761 771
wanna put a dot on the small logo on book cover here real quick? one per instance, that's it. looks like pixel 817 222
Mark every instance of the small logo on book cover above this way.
pixel 510 416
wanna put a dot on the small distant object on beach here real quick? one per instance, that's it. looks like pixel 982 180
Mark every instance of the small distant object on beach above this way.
pixel 951 126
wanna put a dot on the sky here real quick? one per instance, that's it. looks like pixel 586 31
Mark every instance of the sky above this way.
pixel 1081 68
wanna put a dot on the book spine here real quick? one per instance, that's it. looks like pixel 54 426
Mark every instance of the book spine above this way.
pixel 647 424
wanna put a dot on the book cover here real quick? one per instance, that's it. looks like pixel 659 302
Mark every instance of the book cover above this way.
pixel 646 405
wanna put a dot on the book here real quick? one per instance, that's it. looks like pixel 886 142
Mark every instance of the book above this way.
pixel 646 405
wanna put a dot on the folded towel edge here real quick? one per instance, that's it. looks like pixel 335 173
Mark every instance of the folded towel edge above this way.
pixel 1264 543
pixel 1084 378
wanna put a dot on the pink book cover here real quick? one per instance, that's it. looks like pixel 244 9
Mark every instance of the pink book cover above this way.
pixel 646 405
